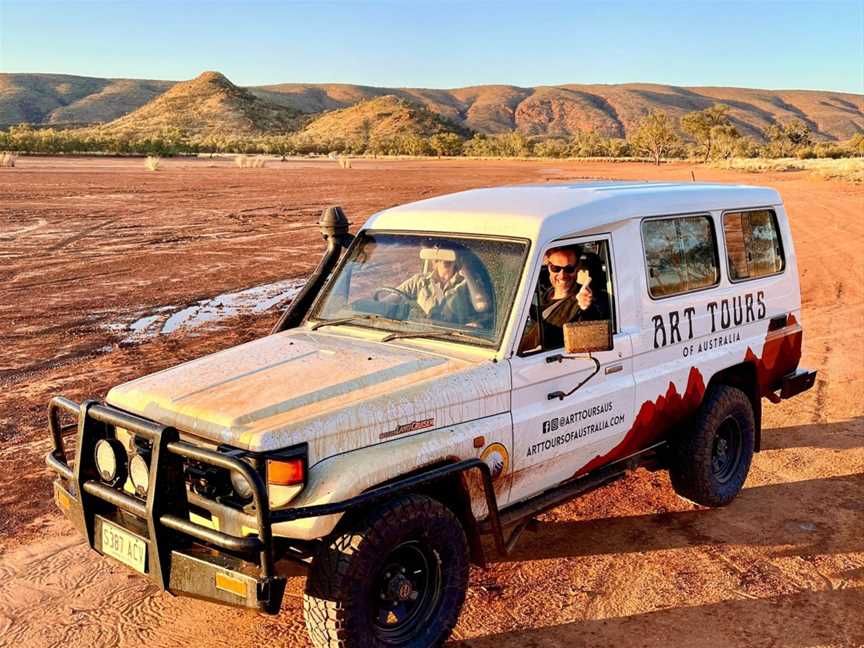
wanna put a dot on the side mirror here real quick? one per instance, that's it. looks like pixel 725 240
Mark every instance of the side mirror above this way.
pixel 587 337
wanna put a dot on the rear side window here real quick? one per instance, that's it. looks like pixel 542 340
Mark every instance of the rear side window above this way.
pixel 752 244
pixel 681 254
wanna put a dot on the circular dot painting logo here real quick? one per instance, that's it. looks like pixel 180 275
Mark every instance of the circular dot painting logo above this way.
pixel 496 457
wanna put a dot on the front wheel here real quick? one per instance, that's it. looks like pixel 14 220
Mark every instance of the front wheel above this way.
pixel 397 577
pixel 710 461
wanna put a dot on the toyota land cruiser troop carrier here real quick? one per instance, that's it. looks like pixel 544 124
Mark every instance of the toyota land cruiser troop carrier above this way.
pixel 458 366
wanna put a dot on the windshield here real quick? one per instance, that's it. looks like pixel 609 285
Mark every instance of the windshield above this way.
pixel 426 286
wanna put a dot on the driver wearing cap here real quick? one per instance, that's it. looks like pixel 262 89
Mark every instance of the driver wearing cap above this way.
pixel 451 292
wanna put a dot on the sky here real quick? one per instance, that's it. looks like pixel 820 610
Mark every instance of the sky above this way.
pixel 812 44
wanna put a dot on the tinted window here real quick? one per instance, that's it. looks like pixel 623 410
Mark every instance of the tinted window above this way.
pixel 681 254
pixel 752 244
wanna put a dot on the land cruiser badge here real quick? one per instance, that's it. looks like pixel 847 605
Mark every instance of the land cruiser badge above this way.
pixel 413 426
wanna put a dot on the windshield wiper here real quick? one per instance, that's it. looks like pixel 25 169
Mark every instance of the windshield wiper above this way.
pixel 344 320
pixel 439 335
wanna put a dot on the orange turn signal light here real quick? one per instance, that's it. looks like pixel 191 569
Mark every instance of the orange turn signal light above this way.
pixel 287 472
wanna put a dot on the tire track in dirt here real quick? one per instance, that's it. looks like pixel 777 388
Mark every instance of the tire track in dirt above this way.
pixel 79 235
pixel 90 600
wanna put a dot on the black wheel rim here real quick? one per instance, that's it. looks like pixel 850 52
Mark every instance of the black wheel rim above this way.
pixel 406 592
pixel 727 450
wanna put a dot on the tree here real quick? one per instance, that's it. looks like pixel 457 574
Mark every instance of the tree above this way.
pixel 446 144
pixel 551 148
pixel 856 144
pixel 654 136
pixel 705 126
pixel 411 144
pixel 589 144
pixel 726 142
pixel 502 145
pixel 619 148
pixel 281 145
pixel 365 133
pixel 785 138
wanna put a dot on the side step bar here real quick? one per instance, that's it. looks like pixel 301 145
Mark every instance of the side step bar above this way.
pixel 520 516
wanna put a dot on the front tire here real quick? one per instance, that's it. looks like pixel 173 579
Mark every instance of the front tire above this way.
pixel 395 578
pixel 710 461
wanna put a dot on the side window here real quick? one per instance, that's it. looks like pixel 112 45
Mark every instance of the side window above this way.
pixel 752 244
pixel 681 254
pixel 575 285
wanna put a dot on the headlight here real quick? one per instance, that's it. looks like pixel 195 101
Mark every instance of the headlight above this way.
pixel 110 460
pixel 139 473
pixel 241 487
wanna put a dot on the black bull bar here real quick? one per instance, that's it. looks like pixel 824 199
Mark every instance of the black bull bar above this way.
pixel 90 504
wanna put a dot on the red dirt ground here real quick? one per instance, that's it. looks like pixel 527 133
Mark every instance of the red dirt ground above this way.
pixel 89 242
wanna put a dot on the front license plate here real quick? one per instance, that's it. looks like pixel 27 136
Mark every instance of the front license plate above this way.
pixel 125 547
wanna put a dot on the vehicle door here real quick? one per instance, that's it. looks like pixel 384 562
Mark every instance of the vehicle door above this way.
pixel 558 434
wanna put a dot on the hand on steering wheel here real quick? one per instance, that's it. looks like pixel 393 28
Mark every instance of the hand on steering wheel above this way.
pixel 389 290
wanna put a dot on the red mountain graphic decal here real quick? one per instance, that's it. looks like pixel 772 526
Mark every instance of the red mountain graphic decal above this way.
pixel 780 356
pixel 654 419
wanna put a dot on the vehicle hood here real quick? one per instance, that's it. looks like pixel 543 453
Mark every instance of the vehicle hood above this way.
pixel 332 392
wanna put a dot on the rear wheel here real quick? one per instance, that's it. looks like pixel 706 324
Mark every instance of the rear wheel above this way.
pixel 395 578
pixel 710 460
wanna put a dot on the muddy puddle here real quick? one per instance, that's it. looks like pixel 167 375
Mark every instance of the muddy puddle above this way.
pixel 206 313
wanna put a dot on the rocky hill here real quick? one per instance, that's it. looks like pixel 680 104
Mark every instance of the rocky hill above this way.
pixel 546 110
pixel 208 104
pixel 64 99
pixel 379 118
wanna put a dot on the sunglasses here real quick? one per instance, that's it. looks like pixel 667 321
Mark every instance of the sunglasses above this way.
pixel 567 269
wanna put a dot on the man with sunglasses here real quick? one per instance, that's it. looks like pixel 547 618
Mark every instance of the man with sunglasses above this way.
pixel 578 293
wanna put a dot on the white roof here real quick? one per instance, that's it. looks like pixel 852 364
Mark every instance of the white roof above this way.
pixel 549 211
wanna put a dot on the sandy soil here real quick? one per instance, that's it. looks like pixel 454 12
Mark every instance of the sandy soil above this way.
pixel 85 243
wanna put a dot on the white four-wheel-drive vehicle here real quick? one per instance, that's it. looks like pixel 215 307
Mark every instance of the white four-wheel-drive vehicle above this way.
pixel 458 366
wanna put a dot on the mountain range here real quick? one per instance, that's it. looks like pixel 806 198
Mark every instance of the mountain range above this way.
pixel 210 103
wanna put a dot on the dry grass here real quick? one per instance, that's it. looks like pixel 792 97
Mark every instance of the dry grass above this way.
pixel 7 159
pixel 152 162
pixel 849 169
pixel 250 161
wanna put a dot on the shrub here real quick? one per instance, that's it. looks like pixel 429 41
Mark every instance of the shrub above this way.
pixel 152 162
pixel 244 161
pixel 831 151
pixel 7 159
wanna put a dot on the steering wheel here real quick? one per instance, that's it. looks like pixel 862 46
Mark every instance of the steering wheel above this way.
pixel 389 290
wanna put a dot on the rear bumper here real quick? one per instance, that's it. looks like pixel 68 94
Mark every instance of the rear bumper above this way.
pixel 796 382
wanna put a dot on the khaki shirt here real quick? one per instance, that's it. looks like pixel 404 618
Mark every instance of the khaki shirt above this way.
pixel 450 303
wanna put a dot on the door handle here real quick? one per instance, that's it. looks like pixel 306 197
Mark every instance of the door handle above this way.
pixel 611 369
